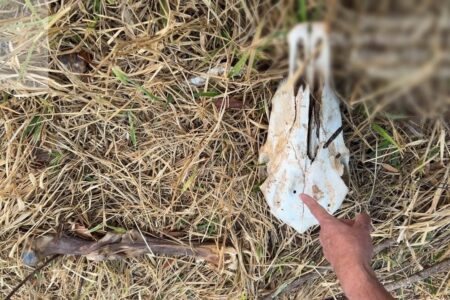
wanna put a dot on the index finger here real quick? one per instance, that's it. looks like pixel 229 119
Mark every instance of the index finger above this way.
pixel 316 209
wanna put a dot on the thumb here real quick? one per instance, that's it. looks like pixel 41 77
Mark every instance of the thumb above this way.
pixel 363 221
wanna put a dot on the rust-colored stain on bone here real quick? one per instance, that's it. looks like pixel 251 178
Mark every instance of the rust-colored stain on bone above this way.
pixel 317 193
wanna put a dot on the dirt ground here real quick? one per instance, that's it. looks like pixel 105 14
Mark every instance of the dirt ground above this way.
pixel 122 139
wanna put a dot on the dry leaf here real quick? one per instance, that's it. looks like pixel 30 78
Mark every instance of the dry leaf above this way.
pixel 82 231
pixel 389 168
pixel 76 62
pixel 41 158
pixel 232 103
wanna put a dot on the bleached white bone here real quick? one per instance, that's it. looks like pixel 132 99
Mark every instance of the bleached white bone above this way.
pixel 290 169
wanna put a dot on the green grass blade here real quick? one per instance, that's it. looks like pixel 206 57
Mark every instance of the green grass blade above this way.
pixel 237 68
pixel 56 158
pixel 30 128
pixel 147 93
pixel 207 94
pixel 121 75
pixel 302 11
pixel 118 230
pixel 187 184
pixel 384 134
pixel 34 128
pixel 123 78
pixel 97 6
pixel 132 131
pixel 96 228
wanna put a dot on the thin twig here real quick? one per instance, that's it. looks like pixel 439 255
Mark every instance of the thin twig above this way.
pixel 332 137
pixel 384 245
pixel 443 266
pixel 9 296
pixel 80 287
pixel 319 272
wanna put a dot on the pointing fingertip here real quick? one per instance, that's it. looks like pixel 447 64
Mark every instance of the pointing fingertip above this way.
pixel 315 208
pixel 304 197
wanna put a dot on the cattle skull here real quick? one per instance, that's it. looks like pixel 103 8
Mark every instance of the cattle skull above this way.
pixel 305 150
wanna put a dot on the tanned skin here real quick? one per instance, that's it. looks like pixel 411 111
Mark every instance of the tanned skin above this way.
pixel 348 247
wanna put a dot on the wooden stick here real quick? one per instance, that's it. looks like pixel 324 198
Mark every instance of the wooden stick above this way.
pixel 443 266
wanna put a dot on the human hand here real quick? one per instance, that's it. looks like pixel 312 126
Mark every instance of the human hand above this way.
pixel 348 247
pixel 346 243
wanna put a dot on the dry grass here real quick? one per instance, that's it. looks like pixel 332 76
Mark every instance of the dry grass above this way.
pixel 132 144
